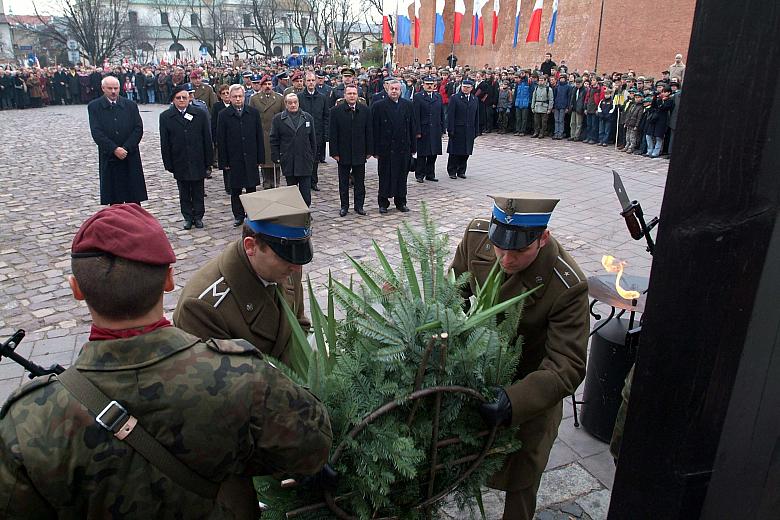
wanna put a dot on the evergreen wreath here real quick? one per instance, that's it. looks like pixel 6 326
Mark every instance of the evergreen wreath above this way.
pixel 406 332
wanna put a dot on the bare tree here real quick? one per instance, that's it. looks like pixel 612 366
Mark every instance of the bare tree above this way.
pixel 303 14
pixel 322 22
pixel 345 21
pixel 372 9
pixel 265 15
pixel 99 26
pixel 172 16
pixel 213 25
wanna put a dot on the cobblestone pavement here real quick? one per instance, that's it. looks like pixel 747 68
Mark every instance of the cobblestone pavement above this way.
pixel 48 165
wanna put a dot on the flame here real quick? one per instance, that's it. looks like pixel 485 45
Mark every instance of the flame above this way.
pixel 617 267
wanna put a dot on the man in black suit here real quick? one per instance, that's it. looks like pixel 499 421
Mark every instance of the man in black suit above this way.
pixel 187 152
pixel 117 128
pixel 294 145
pixel 240 149
pixel 395 140
pixel 462 128
pixel 429 111
pixel 351 143
pixel 314 103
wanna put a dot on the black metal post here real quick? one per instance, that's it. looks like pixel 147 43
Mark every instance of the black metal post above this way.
pixel 598 39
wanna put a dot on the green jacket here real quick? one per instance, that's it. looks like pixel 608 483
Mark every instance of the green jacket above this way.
pixel 217 406
pixel 555 327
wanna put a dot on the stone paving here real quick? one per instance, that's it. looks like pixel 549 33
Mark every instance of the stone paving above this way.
pixel 48 166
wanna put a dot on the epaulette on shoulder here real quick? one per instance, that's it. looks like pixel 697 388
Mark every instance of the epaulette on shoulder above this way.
pixel 479 225
pixel 232 346
pixel 216 292
pixel 566 273
pixel 24 390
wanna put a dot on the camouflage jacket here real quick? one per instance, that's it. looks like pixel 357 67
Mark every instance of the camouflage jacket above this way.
pixel 216 405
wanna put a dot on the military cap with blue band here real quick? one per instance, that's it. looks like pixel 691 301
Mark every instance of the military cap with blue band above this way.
pixel 519 219
pixel 283 220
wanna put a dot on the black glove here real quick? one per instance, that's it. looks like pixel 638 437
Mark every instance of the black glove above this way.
pixel 499 412
pixel 327 478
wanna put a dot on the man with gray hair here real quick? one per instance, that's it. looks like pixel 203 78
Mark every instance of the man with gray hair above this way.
pixel 294 145
pixel 677 69
pixel 117 128
pixel 240 146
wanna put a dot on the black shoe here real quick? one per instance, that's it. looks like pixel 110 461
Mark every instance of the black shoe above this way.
pixel 453 177
pixel 237 222
pixel 432 180
pixel 343 212
pixel 462 176
pixel 382 210
pixel 187 224
pixel 404 209
pixel 534 135
pixel 420 180
pixel 360 211
pixel 315 188
pixel 198 223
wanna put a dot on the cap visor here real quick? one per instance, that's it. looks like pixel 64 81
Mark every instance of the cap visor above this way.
pixel 512 237
pixel 298 252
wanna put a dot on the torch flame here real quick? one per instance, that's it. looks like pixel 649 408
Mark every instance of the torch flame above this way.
pixel 617 267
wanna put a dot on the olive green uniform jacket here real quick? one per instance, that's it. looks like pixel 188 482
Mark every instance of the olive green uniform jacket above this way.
pixel 217 406
pixel 555 327
pixel 206 94
pixel 268 106
pixel 226 299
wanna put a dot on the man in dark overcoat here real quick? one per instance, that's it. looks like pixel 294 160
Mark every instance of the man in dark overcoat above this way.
pixel 117 129
pixel 294 145
pixel 240 149
pixel 316 104
pixel 351 143
pixel 462 128
pixel 429 111
pixel 395 140
pixel 59 84
pixel 187 152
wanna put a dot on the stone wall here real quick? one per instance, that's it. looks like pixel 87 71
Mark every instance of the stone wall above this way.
pixel 634 34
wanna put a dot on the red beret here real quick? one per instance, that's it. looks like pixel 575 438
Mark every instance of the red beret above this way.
pixel 297 75
pixel 124 230
pixel 195 75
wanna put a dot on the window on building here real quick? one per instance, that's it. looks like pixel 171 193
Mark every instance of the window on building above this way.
pixel 132 18
pixel 247 20
pixel 194 22
pixel 163 18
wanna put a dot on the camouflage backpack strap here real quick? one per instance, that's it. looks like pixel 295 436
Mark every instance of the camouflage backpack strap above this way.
pixel 115 418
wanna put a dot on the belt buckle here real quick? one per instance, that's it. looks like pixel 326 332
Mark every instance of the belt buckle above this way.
pixel 117 421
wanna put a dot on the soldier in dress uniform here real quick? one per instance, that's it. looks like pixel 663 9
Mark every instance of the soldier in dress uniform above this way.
pixel 203 90
pixel 462 128
pixel 347 78
pixel 430 113
pixel 281 82
pixel 197 104
pixel 255 82
pixel 236 295
pixel 554 327
pixel 268 103
pixel 210 414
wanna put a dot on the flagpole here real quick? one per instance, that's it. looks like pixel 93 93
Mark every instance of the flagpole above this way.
pixel 394 50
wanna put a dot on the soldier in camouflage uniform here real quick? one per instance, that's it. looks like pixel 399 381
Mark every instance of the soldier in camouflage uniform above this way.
pixel 235 294
pixel 216 406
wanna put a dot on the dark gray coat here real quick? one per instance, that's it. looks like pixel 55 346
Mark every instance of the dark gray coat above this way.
pixel 462 124
pixel 186 147
pixel 294 147
pixel 317 105
pixel 111 128
pixel 351 133
pixel 395 127
pixel 430 113
pixel 240 146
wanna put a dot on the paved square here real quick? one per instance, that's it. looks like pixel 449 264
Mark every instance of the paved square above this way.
pixel 48 163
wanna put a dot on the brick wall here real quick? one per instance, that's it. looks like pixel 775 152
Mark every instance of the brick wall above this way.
pixel 634 34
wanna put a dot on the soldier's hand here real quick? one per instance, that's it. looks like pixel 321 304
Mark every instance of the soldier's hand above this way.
pixel 498 412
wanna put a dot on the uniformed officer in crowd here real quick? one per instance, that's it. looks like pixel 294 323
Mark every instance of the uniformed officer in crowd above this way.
pixel 268 103
pixel 203 90
pixel 554 327
pixel 325 89
pixel 235 294
pixel 347 78
pixel 193 101
pixel 170 426
pixel 396 131
pixel 462 129
pixel 187 152
pixel 281 82
pixel 297 84
pixel 430 113
pixel 351 143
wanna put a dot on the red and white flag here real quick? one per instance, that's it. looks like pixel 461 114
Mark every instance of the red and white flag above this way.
pixel 388 11
pixel 495 21
pixel 460 12
pixel 535 27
